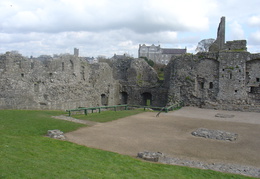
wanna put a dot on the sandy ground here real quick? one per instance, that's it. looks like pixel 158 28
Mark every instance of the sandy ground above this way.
pixel 171 134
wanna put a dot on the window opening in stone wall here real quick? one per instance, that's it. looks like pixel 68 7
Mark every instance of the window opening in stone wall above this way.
pixel 255 90
pixel 235 91
pixel 45 96
pixel 257 79
pixel 210 85
pixel 36 87
pixel 202 85
pixel 71 65
pixel 104 100
pixel 230 75
pixel 82 73
pixel 22 75
pixel 62 66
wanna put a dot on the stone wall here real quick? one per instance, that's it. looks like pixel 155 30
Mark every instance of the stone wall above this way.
pixel 139 82
pixel 60 83
pixel 227 77
pixel 236 45
pixel 221 80
pixel 68 82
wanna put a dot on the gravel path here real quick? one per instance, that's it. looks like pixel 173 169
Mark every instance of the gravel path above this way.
pixel 171 134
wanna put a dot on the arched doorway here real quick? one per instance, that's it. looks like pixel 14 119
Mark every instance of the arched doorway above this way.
pixel 124 97
pixel 147 99
pixel 104 100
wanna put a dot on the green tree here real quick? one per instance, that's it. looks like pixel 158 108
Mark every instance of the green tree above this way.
pixel 150 62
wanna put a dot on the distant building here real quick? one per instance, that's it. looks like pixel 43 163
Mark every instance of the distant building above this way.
pixel 158 54
pixel 90 60
pixel 124 56
pixel 76 52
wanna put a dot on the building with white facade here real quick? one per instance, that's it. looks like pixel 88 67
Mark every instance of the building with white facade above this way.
pixel 158 54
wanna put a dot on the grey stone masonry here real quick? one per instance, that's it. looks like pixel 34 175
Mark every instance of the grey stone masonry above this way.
pixel 56 134
pixel 221 167
pixel 227 77
pixel 215 134
pixel 67 82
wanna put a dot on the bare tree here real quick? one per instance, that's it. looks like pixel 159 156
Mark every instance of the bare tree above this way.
pixel 203 45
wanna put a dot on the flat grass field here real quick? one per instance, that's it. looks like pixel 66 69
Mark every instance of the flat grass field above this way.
pixel 25 152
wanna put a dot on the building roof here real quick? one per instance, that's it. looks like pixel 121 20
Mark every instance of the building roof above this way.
pixel 173 51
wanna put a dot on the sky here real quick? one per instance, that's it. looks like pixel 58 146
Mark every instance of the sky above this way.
pixel 108 27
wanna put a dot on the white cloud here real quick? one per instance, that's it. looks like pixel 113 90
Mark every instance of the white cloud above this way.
pixel 105 27
pixel 254 21
pixel 140 16
pixel 237 32
pixel 255 38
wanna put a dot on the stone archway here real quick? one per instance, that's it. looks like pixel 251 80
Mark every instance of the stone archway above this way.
pixel 146 99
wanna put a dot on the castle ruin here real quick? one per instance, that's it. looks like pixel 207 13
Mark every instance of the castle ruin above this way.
pixel 227 77
pixel 67 82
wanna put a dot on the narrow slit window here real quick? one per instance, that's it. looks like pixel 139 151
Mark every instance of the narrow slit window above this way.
pixel 210 85
pixel 202 85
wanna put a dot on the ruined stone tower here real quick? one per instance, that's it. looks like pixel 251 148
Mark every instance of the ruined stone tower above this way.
pixel 219 43
pixel 227 77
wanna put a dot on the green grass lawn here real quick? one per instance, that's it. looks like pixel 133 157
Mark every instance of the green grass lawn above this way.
pixel 26 153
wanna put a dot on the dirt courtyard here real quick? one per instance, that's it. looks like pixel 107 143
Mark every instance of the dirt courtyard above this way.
pixel 171 134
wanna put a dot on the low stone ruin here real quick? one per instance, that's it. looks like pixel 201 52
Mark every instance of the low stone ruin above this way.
pixel 56 134
pixel 150 156
pixel 215 134
pixel 224 115
pixel 222 167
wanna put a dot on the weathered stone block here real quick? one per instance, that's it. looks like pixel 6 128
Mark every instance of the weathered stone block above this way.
pixel 215 134
pixel 150 156
pixel 56 134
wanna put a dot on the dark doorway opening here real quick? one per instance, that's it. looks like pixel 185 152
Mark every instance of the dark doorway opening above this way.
pixel 147 99
pixel 104 100
pixel 124 97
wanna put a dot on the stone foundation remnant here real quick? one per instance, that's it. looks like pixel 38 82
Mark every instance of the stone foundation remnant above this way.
pixel 56 134
pixel 215 134
pixel 222 167
pixel 224 115
pixel 150 156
